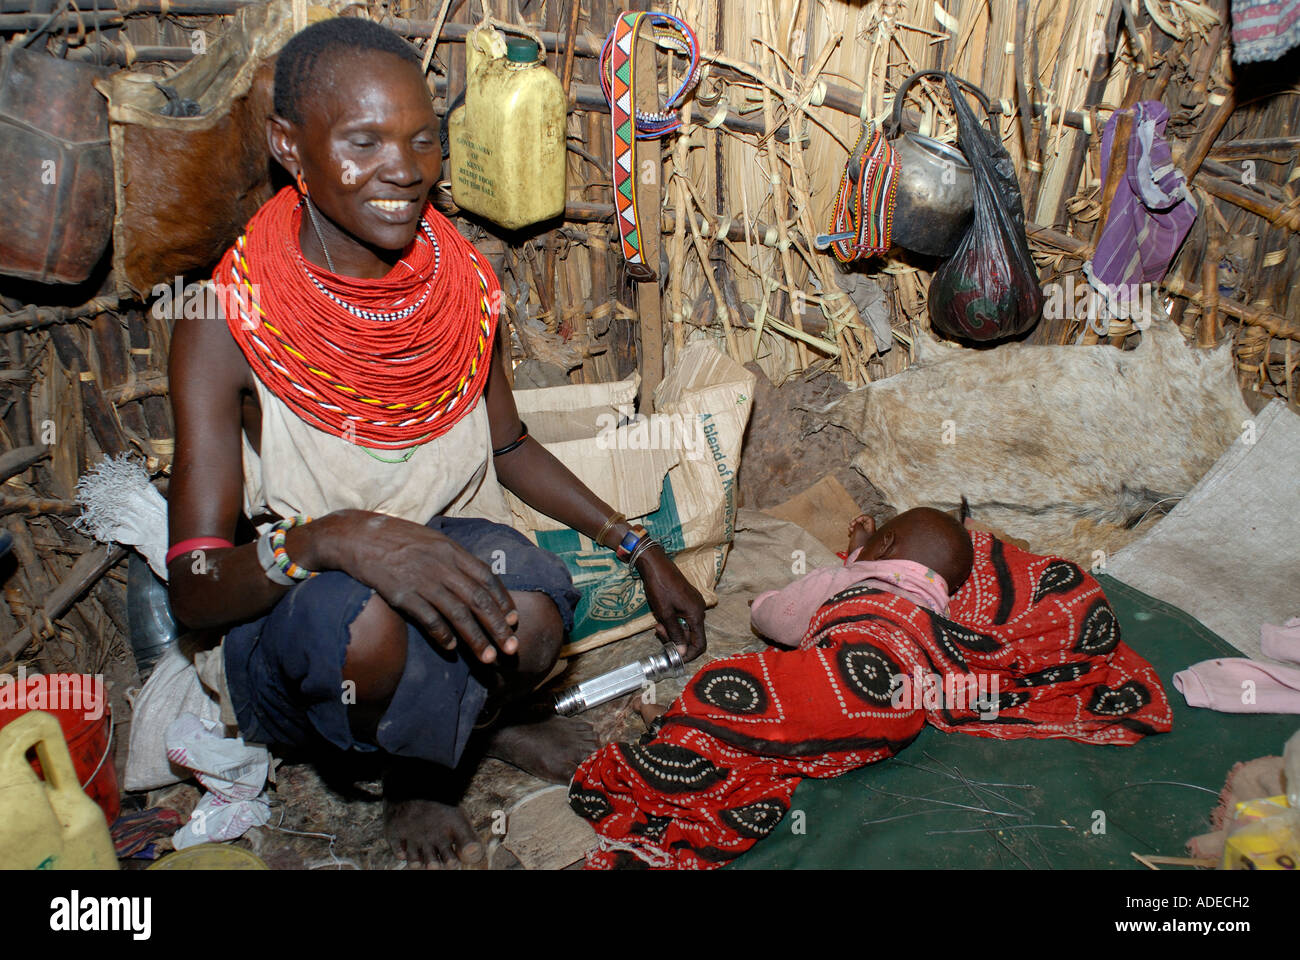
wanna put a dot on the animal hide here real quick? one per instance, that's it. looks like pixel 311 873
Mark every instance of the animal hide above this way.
pixel 1069 447
pixel 186 185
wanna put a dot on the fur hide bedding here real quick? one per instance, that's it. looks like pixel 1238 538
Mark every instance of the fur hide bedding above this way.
pixel 1069 447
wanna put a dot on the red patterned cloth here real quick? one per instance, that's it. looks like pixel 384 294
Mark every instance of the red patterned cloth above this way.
pixel 719 774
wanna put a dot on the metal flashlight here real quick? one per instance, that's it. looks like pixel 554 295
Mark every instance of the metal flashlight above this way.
pixel 617 682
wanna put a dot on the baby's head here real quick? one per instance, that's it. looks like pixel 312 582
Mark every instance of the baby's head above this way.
pixel 925 536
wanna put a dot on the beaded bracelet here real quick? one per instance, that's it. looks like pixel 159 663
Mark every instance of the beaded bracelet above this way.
pixel 287 566
pixel 631 540
pixel 266 557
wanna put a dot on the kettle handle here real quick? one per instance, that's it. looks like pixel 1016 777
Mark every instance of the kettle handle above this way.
pixel 895 122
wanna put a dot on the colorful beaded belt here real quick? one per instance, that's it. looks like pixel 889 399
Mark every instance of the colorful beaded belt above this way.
pixel 618 80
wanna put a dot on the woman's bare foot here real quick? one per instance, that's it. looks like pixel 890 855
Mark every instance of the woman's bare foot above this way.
pixel 431 836
pixel 860 531
pixel 421 826
pixel 550 749
pixel 424 825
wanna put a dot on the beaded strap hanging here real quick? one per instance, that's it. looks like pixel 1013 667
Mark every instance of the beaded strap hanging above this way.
pixel 388 363
pixel 862 222
pixel 618 80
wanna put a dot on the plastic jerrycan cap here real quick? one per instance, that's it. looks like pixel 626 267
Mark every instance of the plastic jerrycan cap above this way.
pixel 521 50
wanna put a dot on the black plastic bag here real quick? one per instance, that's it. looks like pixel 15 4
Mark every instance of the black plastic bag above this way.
pixel 988 289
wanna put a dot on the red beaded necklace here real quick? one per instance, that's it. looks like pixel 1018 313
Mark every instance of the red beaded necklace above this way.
pixel 385 363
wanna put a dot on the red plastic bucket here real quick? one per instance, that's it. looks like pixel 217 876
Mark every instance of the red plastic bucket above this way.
pixel 80 704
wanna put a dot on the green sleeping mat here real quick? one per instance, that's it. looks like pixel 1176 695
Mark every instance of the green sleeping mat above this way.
pixel 1101 803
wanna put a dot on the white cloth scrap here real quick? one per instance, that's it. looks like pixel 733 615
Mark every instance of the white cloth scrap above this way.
pixel 173 689
pixel 234 774
pixel 1226 553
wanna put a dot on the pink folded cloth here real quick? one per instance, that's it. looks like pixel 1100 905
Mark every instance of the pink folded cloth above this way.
pixel 1238 685
pixel 783 615
pixel 1281 643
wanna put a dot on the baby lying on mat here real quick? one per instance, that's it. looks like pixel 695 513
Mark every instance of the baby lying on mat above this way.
pixel 718 770
pixel 922 554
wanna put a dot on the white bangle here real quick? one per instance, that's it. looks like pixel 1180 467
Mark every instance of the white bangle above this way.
pixel 266 557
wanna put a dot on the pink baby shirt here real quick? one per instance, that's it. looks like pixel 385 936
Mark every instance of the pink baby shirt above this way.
pixel 783 615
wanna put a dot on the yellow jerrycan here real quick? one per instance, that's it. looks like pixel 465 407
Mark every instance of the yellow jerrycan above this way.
pixel 508 160
pixel 47 824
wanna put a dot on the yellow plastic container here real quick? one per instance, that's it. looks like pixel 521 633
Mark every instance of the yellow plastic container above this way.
pixel 47 824
pixel 1265 838
pixel 507 142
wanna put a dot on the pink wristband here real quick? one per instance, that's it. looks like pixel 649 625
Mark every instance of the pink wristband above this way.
pixel 192 544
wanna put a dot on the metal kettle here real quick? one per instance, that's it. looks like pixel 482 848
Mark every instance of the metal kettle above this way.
pixel 935 199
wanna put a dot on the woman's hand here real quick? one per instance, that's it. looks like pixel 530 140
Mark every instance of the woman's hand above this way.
pixel 676 604
pixel 435 581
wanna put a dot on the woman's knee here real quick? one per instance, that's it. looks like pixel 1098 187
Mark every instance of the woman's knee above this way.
pixel 540 631
pixel 376 653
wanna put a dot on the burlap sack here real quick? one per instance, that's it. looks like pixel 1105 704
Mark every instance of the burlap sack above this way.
pixel 674 473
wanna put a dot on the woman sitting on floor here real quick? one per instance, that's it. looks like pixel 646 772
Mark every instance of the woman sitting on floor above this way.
pixel 355 406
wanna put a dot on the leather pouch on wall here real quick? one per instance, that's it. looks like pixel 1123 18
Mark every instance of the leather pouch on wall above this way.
pixel 186 185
